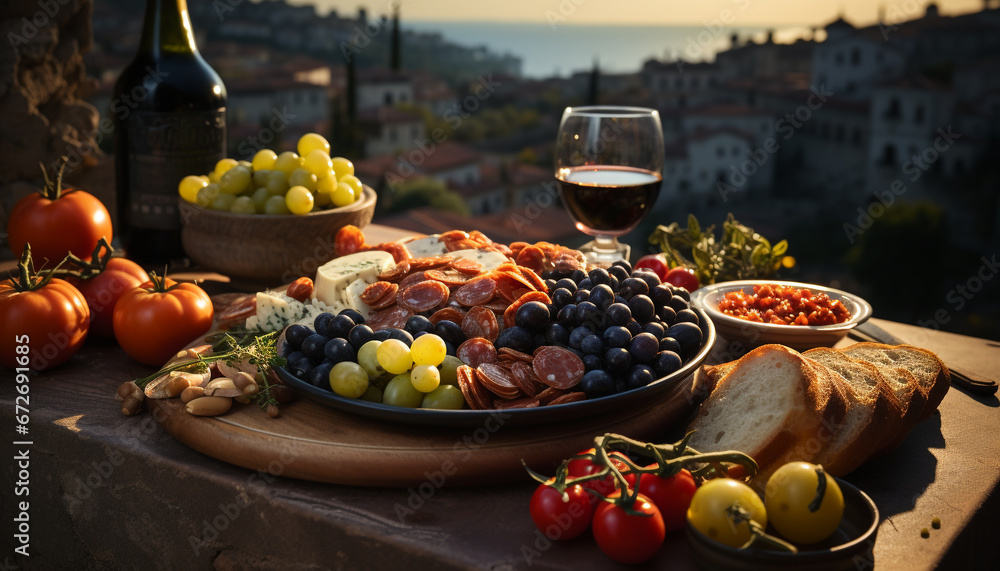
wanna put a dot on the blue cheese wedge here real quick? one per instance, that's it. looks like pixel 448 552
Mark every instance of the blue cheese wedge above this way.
pixel 426 247
pixel 334 277
pixel 275 311
pixel 490 259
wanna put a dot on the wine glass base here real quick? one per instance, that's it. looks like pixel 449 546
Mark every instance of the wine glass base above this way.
pixel 604 257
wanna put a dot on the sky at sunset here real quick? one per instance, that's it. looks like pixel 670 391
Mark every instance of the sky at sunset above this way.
pixel 651 12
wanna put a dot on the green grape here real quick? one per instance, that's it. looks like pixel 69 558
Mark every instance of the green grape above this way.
pixel 394 356
pixel 425 378
pixel 322 200
pixel 276 205
pixel 354 182
pixel 246 164
pixel 260 177
pixel 447 397
pixel 260 197
pixel 302 177
pixel 222 166
pixel 400 392
pixel 207 194
pixel 368 359
pixel 223 202
pixel 264 160
pixel 348 379
pixel 277 183
pixel 372 394
pixel 243 205
pixel 287 162
pixel 343 194
pixel 299 200
pixel 327 184
pixel 428 350
pixel 236 180
pixel 318 162
pixel 312 142
pixel 342 167
pixel 189 187
pixel 449 369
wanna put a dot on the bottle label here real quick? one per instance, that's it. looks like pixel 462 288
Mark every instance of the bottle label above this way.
pixel 164 148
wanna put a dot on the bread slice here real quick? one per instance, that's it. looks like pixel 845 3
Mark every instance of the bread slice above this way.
pixel 929 372
pixel 873 419
pixel 773 405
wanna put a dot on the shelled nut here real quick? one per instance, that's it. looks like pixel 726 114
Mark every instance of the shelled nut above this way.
pixel 222 387
pixel 209 406
pixel 246 383
pixel 191 393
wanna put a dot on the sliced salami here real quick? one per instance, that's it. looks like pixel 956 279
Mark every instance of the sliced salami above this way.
pixel 398 272
pixel 394 317
pixel 481 322
pixel 531 257
pixel 413 278
pixel 516 354
pixel 428 263
pixel 423 296
pixel 448 278
pixel 388 298
pixel 504 404
pixel 526 379
pixel 549 395
pixel 376 291
pixel 449 314
pixel 557 367
pixel 568 398
pixel 473 392
pixel 476 351
pixel 466 266
pixel 497 380
pixel 476 292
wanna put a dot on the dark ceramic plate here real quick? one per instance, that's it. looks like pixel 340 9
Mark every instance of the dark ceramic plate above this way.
pixel 638 400
pixel 849 548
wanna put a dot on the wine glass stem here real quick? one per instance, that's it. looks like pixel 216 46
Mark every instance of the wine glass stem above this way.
pixel 605 243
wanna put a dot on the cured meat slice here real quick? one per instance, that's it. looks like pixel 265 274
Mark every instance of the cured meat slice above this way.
pixel 348 240
pixel 476 351
pixel 413 278
pixel 531 257
pixel 376 291
pixel 549 395
pixel 396 273
pixel 535 279
pixel 525 378
pixel 527 402
pixel 517 355
pixel 497 380
pixel 447 314
pixel 423 296
pixel 472 390
pixel 428 263
pixel 476 292
pixel 387 299
pixel 568 398
pixel 467 266
pixel 447 278
pixel 481 322
pixel 557 367
pixel 394 317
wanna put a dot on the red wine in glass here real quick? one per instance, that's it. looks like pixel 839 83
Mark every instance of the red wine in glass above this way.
pixel 608 200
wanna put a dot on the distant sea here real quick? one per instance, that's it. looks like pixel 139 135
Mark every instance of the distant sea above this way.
pixel 546 51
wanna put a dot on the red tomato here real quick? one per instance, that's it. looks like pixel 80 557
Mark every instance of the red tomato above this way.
pixel 655 262
pixel 672 496
pixel 628 538
pixel 559 519
pixel 585 467
pixel 103 290
pixel 41 327
pixel 56 222
pixel 157 319
pixel 683 277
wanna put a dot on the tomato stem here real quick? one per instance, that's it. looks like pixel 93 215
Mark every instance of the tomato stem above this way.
pixel 27 278
pixel 51 190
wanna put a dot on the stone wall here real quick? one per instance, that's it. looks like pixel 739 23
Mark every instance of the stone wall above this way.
pixel 42 82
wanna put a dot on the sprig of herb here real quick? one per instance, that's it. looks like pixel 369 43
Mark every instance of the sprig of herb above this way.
pixel 739 254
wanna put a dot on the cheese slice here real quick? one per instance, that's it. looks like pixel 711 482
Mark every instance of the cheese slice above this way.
pixel 426 247
pixel 275 311
pixel 353 294
pixel 333 277
pixel 490 259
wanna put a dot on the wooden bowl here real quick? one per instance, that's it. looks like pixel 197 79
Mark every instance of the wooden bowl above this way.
pixel 267 249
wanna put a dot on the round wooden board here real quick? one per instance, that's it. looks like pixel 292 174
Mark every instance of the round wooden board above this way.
pixel 314 442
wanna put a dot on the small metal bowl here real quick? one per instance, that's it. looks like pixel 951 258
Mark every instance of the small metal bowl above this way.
pixel 849 548
pixel 800 337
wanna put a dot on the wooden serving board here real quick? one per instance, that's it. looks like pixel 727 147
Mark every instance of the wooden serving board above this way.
pixel 313 442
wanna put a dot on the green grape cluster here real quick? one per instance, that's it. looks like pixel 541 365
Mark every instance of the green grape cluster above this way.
pixel 271 183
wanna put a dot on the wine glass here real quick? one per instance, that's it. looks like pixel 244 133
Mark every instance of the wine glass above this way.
pixel 609 166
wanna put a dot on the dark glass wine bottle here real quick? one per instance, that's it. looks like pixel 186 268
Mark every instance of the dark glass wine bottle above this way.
pixel 169 109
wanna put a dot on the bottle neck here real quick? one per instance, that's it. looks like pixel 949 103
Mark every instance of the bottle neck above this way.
pixel 167 28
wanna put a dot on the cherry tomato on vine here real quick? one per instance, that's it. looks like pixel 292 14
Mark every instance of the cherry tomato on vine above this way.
pixel 103 291
pixel 56 222
pixel 585 467
pixel 625 537
pixel 559 519
pixel 657 263
pixel 683 277
pixel 45 320
pixel 157 319
pixel 788 497
pixel 709 510
pixel 671 495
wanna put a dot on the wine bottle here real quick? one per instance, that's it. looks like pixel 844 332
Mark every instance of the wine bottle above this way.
pixel 169 110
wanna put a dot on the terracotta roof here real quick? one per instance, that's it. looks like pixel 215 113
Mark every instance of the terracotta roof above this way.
pixel 511 225
pixel 449 155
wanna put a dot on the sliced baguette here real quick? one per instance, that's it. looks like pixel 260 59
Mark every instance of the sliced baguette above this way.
pixel 773 405
pixel 873 419
pixel 931 374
